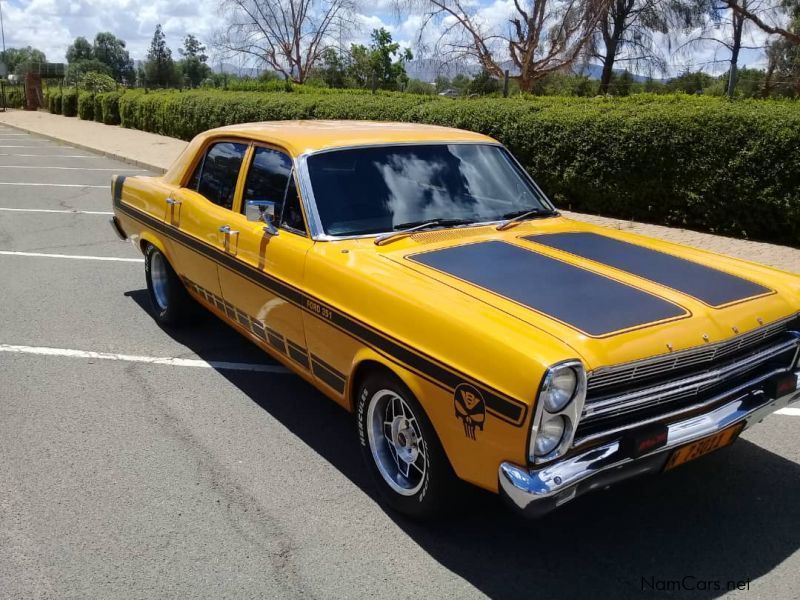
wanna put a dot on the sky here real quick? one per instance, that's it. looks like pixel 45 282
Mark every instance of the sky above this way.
pixel 52 25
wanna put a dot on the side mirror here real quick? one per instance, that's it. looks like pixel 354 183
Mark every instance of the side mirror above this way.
pixel 262 210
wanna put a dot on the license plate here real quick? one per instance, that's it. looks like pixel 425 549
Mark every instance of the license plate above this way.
pixel 702 447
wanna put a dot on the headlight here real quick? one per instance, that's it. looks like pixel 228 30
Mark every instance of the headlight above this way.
pixel 559 388
pixel 549 436
pixel 559 406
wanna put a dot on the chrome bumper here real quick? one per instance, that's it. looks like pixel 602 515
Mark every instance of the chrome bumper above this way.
pixel 535 492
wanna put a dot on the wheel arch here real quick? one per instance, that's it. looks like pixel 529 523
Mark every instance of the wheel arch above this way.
pixel 148 239
pixel 369 361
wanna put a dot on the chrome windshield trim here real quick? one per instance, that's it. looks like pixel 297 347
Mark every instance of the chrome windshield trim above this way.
pixel 317 231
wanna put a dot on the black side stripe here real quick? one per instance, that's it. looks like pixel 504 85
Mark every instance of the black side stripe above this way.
pixel 297 354
pixel 328 374
pixel 276 340
pixel 501 406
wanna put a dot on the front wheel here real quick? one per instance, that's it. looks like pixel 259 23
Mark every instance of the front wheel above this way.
pixel 170 300
pixel 400 447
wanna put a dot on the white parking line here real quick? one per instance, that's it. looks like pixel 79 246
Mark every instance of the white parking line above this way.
pixel 48 210
pixel 791 412
pixel 68 168
pixel 78 185
pixel 153 360
pixel 72 256
pixel 50 155
pixel 42 146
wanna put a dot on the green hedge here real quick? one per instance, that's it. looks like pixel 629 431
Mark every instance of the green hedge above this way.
pixel 696 162
pixel 97 110
pixel 109 102
pixel 54 101
pixel 86 106
pixel 14 96
pixel 69 103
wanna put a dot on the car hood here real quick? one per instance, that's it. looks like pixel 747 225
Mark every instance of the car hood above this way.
pixel 612 296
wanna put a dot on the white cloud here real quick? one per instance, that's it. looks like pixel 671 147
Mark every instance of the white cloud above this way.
pixel 52 25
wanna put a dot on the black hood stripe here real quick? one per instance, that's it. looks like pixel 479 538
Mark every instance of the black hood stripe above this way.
pixel 712 287
pixel 589 302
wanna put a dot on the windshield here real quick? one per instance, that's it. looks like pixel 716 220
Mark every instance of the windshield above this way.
pixel 376 189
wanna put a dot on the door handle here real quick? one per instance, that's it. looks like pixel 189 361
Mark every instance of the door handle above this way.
pixel 173 211
pixel 227 232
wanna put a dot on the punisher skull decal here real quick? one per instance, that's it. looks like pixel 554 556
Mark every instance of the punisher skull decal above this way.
pixel 470 408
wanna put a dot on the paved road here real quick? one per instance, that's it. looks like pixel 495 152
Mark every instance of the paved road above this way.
pixel 121 478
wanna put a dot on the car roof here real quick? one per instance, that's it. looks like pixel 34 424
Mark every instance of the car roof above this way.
pixel 300 137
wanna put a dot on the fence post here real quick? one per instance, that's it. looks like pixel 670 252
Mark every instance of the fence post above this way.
pixel 505 84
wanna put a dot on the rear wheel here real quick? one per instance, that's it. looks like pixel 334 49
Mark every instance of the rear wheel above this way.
pixel 400 447
pixel 169 299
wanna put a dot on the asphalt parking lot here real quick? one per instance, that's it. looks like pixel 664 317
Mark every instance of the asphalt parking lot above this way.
pixel 137 462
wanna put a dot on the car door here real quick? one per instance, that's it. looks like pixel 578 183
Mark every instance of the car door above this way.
pixel 267 271
pixel 199 211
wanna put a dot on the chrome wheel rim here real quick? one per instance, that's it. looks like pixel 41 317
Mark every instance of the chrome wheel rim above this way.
pixel 158 279
pixel 396 443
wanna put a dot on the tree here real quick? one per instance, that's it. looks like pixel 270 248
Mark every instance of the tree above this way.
pixel 484 84
pixel 539 36
pixel 382 65
pixel 16 58
pixel 791 35
pixel 97 82
pixel 718 17
pixel 690 82
pixel 193 66
pixel 783 67
pixel 79 68
pixel 111 51
pixel 80 49
pixel 289 36
pixel 625 33
pixel 159 68
pixel 333 68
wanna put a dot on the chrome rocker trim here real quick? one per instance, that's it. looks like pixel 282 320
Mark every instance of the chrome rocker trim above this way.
pixel 535 492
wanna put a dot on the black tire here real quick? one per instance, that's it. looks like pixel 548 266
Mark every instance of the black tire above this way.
pixel 170 300
pixel 436 485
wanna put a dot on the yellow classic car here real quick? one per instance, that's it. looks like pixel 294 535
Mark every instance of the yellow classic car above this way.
pixel 420 278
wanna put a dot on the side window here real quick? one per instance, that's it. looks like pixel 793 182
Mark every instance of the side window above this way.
pixel 270 178
pixel 292 214
pixel 215 178
pixel 267 177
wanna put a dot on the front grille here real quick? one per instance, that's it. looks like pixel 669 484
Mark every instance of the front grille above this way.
pixel 666 389
pixel 669 365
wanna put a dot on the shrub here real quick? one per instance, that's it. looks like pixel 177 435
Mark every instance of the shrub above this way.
pixel 86 106
pixel 695 162
pixel 97 109
pixel 69 103
pixel 109 102
pixel 97 82
pixel 54 101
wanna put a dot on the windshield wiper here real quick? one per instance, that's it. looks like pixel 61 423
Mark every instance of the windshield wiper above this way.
pixel 406 228
pixel 521 215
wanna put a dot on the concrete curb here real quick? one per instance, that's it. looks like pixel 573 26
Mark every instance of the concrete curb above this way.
pixel 126 159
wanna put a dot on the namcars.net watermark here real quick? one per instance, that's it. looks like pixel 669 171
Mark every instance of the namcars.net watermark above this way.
pixel 692 583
